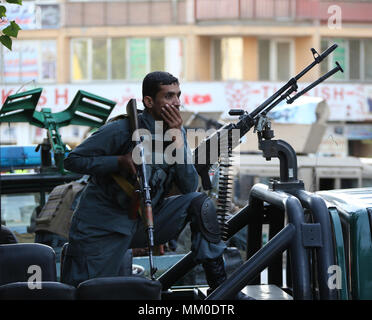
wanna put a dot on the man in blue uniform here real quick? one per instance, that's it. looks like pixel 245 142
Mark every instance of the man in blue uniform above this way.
pixel 102 227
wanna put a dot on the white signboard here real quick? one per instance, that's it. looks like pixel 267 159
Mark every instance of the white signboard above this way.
pixel 23 15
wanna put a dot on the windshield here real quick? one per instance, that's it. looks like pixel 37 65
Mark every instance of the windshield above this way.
pixel 17 209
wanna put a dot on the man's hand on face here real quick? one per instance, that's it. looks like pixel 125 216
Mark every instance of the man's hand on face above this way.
pixel 173 119
pixel 172 116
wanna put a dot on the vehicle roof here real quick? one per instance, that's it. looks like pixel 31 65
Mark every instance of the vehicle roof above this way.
pixel 349 200
pixel 302 161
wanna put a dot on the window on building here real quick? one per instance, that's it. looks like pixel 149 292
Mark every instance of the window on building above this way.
pixel 125 58
pixel 31 60
pixel 367 59
pixel 99 61
pixel 174 51
pixel 217 61
pixel 354 56
pixel 276 61
pixel 33 15
pixel 157 54
pixel 48 61
pixel 354 73
pixel 118 59
pixel 228 58
pixel 283 52
pixel 264 59
pixel 138 58
pixel 80 60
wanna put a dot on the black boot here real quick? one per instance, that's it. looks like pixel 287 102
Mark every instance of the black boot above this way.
pixel 215 274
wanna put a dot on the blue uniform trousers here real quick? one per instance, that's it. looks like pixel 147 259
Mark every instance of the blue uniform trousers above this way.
pixel 96 252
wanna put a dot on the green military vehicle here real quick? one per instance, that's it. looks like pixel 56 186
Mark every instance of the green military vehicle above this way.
pixel 350 211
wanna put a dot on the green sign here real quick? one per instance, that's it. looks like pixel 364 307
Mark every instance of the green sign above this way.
pixel 138 58
pixel 339 55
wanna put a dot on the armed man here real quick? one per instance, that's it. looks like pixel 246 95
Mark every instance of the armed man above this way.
pixel 104 227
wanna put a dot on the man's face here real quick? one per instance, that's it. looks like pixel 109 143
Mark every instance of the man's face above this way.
pixel 169 95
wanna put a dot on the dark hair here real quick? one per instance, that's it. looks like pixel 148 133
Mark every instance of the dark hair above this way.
pixel 151 83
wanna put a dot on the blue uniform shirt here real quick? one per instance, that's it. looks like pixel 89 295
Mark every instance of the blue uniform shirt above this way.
pixel 103 203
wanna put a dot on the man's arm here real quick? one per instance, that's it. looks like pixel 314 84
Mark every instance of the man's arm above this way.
pixel 100 154
pixel 187 178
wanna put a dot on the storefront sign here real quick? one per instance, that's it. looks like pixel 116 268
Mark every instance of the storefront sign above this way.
pixel 347 102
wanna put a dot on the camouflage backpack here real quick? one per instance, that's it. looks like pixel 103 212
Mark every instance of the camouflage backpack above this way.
pixel 55 216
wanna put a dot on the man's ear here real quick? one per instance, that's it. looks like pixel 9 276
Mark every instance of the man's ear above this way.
pixel 147 100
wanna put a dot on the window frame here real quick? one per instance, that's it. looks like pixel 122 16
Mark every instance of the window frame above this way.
pixel 362 75
pixel 273 57
pixel 127 77
pixel 89 59
pixel 213 59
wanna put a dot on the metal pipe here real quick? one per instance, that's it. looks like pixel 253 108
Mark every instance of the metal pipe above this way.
pixel 238 221
pixel 178 270
pixel 276 224
pixel 325 253
pixel 257 263
pixel 299 254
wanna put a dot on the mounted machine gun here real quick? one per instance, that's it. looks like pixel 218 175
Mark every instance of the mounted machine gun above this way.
pixel 257 117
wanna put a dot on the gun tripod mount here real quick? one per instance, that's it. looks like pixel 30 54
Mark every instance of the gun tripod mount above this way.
pixel 278 149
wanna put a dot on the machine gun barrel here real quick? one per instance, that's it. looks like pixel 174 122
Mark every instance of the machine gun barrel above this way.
pixel 248 120
pixel 293 81
pixel 315 83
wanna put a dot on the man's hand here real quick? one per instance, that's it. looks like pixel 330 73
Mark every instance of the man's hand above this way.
pixel 126 163
pixel 172 116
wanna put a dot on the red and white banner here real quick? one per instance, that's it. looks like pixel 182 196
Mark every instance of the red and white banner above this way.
pixel 347 102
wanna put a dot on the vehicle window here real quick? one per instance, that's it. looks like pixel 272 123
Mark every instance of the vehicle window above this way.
pixel 366 182
pixel 326 184
pixel 17 209
pixel 349 183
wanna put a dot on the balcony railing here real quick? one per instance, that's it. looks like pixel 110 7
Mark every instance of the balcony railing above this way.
pixel 123 13
pixel 244 9
pixel 277 10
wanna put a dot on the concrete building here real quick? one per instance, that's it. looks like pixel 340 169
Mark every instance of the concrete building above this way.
pixel 227 53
